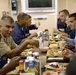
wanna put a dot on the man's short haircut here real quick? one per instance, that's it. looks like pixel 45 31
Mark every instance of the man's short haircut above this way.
pixel 22 16
pixel 65 11
pixel 7 18
pixel 73 15
pixel 29 16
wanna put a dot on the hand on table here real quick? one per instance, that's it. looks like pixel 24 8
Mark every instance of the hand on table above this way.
pixel 34 34
pixel 69 45
pixel 14 62
pixel 10 66
pixel 37 24
pixel 33 42
pixel 68 53
pixel 63 37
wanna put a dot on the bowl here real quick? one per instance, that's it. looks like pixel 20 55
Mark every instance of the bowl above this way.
pixel 44 49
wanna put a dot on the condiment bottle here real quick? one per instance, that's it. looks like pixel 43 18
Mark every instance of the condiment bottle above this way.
pixel 21 67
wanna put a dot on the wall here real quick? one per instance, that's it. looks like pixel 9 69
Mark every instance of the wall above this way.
pixel 67 4
pixel 61 5
pixel 71 6
pixel 49 23
pixel 5 5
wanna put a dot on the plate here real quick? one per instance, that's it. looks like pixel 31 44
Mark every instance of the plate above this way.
pixel 44 49
pixel 27 52
pixel 59 58
pixel 52 65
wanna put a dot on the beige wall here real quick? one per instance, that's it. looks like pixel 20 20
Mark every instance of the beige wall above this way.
pixel 61 5
pixel 5 5
pixel 67 4
pixel 49 23
pixel 71 6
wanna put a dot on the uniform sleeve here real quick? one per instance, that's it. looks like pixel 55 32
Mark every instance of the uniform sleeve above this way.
pixel 13 44
pixel 71 40
pixel 4 48
pixel 31 27
pixel 18 35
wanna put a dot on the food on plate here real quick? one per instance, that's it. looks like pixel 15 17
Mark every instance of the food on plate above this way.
pixel 27 52
pixel 60 54
pixel 48 72
pixel 64 51
pixel 50 52
pixel 58 70
pixel 69 45
pixel 56 54
pixel 53 53
pixel 53 45
pixel 64 64
pixel 56 39
pixel 24 53
pixel 54 65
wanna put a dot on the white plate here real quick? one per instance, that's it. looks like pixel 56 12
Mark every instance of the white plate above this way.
pixel 59 58
pixel 49 65
pixel 44 49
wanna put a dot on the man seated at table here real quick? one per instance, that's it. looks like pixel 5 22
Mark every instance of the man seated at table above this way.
pixel 62 18
pixel 68 32
pixel 66 52
pixel 72 21
pixel 22 27
pixel 61 21
pixel 30 27
pixel 8 48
